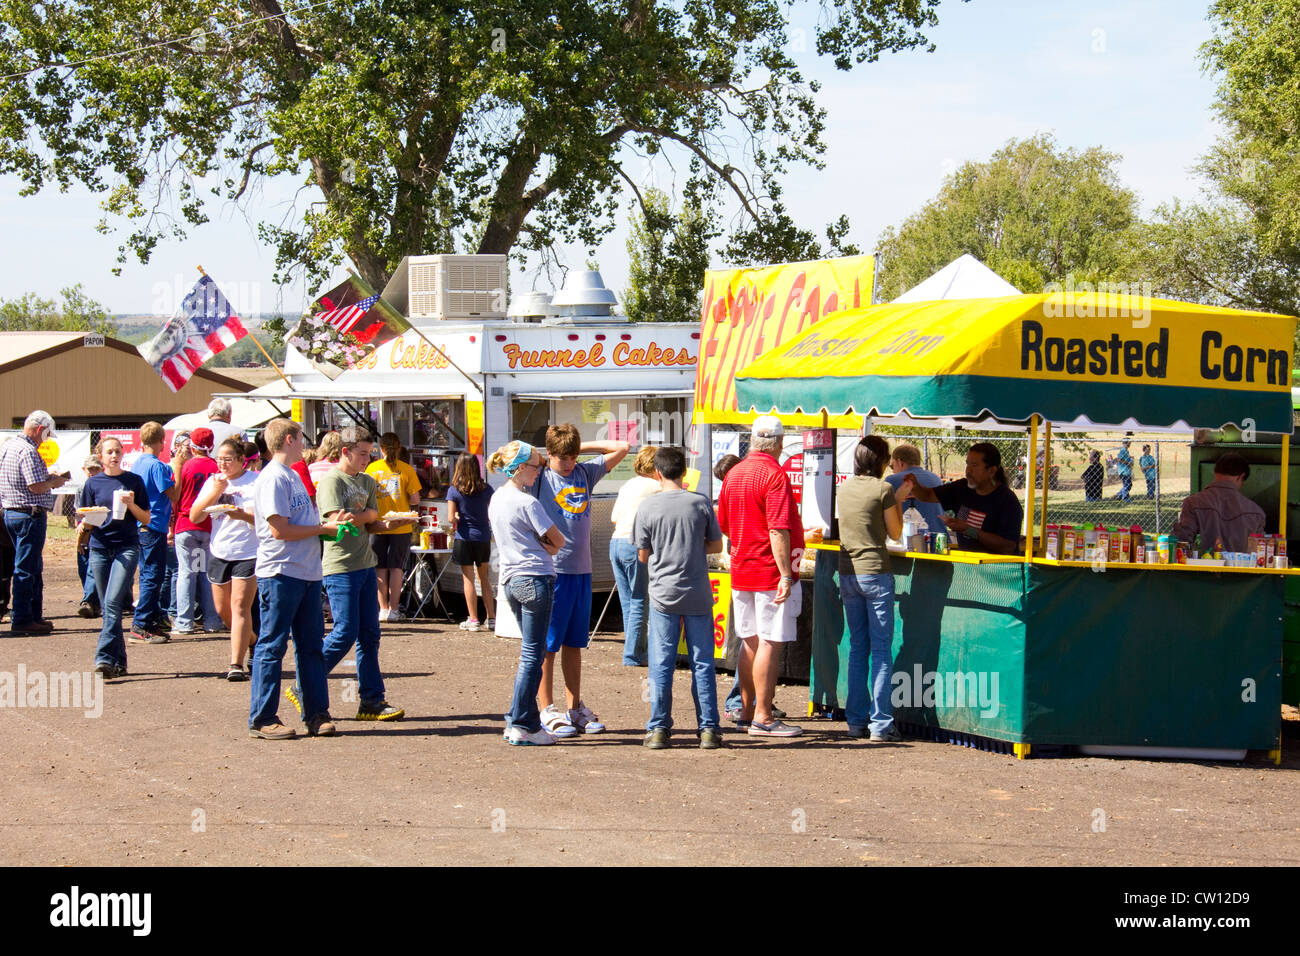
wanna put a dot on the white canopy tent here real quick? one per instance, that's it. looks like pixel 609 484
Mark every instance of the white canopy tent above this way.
pixel 963 278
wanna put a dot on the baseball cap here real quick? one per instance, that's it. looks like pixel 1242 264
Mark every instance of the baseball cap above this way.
pixel 201 438
pixel 767 426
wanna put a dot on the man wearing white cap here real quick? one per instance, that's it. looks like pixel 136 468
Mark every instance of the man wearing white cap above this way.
pixel 757 512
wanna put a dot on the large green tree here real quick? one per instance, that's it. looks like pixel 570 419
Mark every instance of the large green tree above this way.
pixel 408 120
pixel 1255 54
pixel 1034 213
pixel 78 313
pixel 668 255
pixel 1212 252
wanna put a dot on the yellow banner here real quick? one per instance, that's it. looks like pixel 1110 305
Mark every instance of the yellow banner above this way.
pixel 748 312
pixel 1070 338
pixel 720 583
pixel 474 427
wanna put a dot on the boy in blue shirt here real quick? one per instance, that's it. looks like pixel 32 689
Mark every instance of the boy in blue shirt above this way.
pixel 149 624
pixel 563 487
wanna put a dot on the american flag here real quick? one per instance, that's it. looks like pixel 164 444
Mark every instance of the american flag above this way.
pixel 345 319
pixel 204 325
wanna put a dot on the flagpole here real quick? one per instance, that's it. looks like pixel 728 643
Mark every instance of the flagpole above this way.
pixel 432 345
pixel 271 360
pixel 250 335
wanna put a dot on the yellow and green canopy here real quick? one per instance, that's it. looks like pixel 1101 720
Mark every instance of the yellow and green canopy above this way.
pixel 1058 355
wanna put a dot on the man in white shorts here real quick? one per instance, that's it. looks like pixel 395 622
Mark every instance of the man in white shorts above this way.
pixel 758 513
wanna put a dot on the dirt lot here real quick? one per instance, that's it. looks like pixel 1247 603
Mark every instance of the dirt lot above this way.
pixel 169 775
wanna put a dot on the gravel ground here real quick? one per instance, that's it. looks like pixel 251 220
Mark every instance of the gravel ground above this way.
pixel 169 775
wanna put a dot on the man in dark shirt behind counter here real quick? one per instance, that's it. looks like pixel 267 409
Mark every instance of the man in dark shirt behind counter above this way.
pixel 1220 513
pixel 988 515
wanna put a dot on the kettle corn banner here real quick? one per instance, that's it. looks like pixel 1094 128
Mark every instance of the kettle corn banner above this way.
pixel 747 312
pixel 1060 355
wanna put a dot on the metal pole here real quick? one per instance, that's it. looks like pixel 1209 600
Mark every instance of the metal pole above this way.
pixel 1159 484
pixel 1030 467
pixel 1286 469
pixel 1047 478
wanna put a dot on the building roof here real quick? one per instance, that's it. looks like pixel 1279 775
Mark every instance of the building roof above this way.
pixel 18 349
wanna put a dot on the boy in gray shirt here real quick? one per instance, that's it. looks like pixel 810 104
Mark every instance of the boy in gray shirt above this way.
pixel 288 588
pixel 674 533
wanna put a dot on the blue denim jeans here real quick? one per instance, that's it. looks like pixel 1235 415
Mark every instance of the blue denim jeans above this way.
pixel 354 605
pixel 27 532
pixel 113 571
pixel 632 580
pixel 153 568
pixel 530 597
pixel 191 576
pixel 869 610
pixel 289 607
pixel 169 582
pixel 664 632
pixel 88 592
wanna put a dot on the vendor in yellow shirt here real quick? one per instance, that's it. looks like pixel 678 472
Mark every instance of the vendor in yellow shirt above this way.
pixel 399 490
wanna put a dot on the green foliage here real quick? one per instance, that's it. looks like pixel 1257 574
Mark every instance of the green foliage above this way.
pixel 667 258
pixel 79 312
pixel 1212 253
pixel 777 238
pixel 1255 50
pixel 1032 213
pixel 419 126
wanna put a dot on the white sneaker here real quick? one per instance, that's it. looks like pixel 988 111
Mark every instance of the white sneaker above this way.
pixel 471 624
pixel 555 721
pixel 395 616
pixel 383 614
pixel 583 719
pixel 518 737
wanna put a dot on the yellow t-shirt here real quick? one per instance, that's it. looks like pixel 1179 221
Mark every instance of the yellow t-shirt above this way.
pixel 395 490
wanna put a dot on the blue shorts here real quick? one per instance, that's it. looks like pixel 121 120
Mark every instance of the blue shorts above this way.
pixel 570 613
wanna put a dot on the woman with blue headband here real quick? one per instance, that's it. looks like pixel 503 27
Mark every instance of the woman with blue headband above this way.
pixel 526 540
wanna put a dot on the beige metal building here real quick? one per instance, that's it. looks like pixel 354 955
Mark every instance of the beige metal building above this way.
pixel 92 386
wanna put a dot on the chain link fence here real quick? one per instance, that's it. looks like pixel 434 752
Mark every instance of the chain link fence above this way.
pixel 1091 479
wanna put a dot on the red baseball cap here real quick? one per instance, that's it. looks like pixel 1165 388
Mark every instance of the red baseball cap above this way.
pixel 202 438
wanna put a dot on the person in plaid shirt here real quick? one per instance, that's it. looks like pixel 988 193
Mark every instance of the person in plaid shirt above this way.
pixel 26 487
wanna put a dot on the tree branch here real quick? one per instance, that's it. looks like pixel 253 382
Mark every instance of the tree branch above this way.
pixel 248 167
pixel 725 173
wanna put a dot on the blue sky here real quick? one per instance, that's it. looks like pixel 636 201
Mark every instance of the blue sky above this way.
pixel 1124 76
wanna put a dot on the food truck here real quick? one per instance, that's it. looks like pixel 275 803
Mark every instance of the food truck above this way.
pixel 474 379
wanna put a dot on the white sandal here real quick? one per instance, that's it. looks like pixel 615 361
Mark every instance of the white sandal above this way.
pixel 557 722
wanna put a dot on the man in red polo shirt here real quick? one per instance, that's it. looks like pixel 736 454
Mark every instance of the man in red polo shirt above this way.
pixel 757 512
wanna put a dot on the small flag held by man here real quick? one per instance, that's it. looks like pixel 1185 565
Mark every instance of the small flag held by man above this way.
pixel 204 325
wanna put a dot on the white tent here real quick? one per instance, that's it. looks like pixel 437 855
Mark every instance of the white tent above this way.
pixel 963 278
pixel 245 413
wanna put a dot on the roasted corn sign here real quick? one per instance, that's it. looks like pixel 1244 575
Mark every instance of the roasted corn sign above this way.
pixel 1061 356
pixel 748 312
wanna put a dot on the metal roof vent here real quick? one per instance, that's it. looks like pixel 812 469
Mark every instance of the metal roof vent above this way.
pixel 584 299
pixel 530 307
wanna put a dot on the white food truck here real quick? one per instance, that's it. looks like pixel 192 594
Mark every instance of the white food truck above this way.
pixel 462 382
